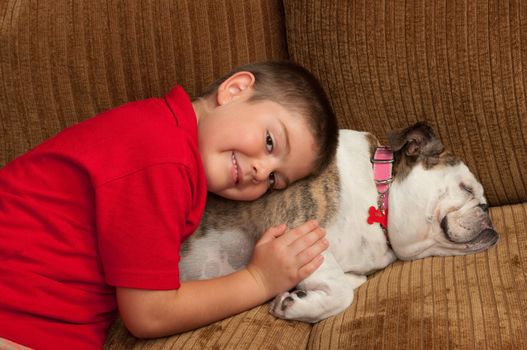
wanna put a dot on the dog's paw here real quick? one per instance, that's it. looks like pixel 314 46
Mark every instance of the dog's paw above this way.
pixel 289 305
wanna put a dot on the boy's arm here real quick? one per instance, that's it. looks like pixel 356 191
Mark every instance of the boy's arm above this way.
pixel 280 261
pixel 150 314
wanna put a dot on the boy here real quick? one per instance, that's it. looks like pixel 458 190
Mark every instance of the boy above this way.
pixel 93 218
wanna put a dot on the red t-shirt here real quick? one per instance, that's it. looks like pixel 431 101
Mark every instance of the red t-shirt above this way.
pixel 104 203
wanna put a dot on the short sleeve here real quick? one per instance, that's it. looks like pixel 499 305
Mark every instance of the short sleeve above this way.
pixel 140 221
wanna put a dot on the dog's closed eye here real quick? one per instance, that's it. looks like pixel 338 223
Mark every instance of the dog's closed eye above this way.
pixel 467 188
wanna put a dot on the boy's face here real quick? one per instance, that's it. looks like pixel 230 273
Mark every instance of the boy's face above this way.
pixel 248 148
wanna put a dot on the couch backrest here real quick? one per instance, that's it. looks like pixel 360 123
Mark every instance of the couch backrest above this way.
pixel 462 65
pixel 64 61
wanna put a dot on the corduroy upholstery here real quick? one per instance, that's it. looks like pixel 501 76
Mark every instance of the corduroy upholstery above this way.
pixel 462 65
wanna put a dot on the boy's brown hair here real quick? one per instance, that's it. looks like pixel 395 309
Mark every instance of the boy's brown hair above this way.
pixel 296 89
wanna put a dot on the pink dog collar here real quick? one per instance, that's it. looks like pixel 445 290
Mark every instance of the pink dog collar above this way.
pixel 382 173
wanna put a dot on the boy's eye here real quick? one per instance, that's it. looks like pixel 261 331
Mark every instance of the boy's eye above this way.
pixel 272 181
pixel 269 142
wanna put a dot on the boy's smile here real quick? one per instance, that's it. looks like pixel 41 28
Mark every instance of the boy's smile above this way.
pixel 235 174
pixel 248 148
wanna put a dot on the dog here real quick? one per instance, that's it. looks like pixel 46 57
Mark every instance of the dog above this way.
pixel 436 208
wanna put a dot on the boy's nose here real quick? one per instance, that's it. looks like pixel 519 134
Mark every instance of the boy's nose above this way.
pixel 261 172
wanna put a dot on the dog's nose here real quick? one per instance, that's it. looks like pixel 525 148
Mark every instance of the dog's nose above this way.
pixel 484 207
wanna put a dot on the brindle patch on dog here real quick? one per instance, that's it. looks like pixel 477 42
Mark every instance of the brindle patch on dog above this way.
pixel 418 144
pixel 447 158
pixel 373 142
pixel 311 198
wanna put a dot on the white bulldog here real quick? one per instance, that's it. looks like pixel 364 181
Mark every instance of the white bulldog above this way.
pixel 436 207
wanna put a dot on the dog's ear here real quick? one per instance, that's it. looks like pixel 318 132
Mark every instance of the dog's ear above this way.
pixel 417 140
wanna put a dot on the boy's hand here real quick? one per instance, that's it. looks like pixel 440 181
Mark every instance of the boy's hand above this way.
pixel 282 259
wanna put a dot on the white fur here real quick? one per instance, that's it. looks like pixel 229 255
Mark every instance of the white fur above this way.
pixel 215 257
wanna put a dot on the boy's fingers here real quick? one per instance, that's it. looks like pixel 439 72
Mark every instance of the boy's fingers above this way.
pixel 310 267
pixel 279 230
pixel 307 240
pixel 299 231
pixel 311 252
pixel 272 233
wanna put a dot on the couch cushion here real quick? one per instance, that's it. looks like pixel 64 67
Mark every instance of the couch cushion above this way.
pixel 63 61
pixel 475 301
pixel 462 65
pixel 253 329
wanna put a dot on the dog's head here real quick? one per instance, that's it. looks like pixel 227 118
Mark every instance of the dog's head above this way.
pixel 437 206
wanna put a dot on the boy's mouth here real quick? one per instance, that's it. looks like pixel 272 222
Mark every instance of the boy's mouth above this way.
pixel 235 174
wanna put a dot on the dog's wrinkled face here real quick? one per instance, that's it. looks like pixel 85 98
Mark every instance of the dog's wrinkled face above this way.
pixel 444 211
pixel 463 210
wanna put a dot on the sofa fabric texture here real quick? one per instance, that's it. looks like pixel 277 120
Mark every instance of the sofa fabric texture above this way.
pixel 461 65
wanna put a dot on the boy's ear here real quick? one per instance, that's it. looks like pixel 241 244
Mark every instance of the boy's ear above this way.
pixel 236 85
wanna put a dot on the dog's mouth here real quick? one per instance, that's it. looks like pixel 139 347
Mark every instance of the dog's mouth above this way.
pixel 486 238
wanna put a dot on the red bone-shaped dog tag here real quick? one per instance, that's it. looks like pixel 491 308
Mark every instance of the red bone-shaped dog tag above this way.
pixel 376 215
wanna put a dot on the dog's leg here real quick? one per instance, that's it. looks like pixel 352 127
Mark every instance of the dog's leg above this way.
pixel 324 293
pixel 354 280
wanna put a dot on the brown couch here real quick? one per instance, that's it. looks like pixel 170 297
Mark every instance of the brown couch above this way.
pixel 461 65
